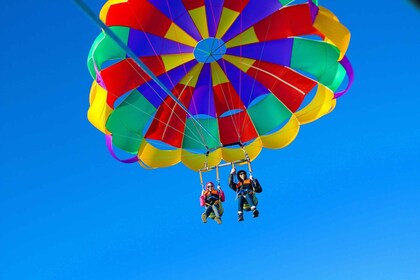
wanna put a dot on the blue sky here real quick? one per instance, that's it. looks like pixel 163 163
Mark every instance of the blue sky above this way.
pixel 340 202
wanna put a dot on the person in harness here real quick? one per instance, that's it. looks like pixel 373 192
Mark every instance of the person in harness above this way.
pixel 212 200
pixel 245 190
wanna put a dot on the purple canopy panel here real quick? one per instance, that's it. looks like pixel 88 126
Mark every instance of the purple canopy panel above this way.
pixel 108 139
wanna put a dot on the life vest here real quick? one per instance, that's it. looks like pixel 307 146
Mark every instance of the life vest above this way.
pixel 246 184
pixel 211 196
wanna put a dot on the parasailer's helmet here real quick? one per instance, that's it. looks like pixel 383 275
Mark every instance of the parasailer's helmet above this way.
pixel 239 174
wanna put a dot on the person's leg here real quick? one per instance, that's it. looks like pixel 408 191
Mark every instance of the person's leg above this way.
pixel 206 213
pixel 216 213
pixel 215 209
pixel 250 200
pixel 241 202
pixel 208 210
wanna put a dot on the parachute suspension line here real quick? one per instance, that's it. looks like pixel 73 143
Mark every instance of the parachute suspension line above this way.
pixel 249 168
pixel 130 53
pixel 203 139
pixel 169 78
pixel 245 159
pixel 173 109
pixel 214 18
pixel 238 131
pixel 201 179
pixel 237 190
pixel 275 77
pixel 248 160
pixel 206 162
pixel 232 116
pixel 279 79
pixel 203 142
pixel 151 45
pixel 156 54
pixel 151 116
pixel 217 177
pixel 349 68
pixel 288 4
pixel 349 73
pixel 255 75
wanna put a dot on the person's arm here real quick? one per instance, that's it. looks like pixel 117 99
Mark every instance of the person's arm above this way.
pixel 222 195
pixel 202 200
pixel 231 183
pixel 256 185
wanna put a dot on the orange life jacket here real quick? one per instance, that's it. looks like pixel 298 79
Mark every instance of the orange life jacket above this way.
pixel 213 193
pixel 247 183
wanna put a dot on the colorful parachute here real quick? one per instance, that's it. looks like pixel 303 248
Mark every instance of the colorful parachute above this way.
pixel 229 77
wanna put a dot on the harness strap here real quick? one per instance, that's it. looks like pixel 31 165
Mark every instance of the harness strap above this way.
pixel 201 180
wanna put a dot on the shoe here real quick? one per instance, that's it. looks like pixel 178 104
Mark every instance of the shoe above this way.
pixel 255 213
pixel 240 217
pixel 218 220
pixel 204 217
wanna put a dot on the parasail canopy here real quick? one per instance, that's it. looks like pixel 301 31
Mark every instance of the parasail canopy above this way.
pixel 204 81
